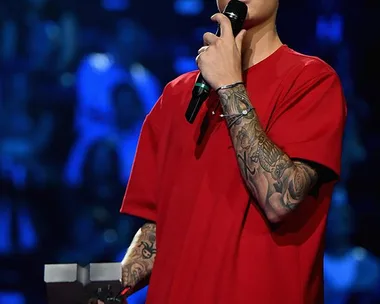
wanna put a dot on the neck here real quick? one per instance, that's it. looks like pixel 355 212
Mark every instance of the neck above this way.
pixel 259 43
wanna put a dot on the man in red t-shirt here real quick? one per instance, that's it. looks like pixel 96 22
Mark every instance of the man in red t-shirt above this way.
pixel 239 198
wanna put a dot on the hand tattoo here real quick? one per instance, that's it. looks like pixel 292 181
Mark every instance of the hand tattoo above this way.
pixel 138 262
pixel 278 183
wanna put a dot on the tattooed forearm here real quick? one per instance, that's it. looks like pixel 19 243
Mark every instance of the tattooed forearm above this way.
pixel 278 183
pixel 138 262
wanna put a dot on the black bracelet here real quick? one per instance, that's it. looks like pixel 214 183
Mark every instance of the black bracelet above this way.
pixel 229 86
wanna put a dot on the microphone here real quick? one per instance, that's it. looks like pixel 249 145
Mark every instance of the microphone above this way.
pixel 236 11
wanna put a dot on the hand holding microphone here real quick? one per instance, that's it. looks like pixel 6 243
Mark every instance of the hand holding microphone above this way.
pixel 219 61
pixel 220 58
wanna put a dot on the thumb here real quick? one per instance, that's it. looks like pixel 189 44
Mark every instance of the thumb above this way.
pixel 239 39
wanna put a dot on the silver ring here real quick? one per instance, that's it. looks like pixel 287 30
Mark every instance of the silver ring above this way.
pixel 203 49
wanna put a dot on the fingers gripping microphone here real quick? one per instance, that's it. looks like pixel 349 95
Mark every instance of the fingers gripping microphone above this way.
pixel 236 11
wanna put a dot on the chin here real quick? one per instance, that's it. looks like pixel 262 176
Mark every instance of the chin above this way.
pixel 253 19
pixel 251 22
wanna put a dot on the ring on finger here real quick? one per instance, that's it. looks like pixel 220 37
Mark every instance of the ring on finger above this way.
pixel 198 57
pixel 203 49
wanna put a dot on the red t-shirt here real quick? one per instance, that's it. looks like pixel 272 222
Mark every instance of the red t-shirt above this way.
pixel 213 243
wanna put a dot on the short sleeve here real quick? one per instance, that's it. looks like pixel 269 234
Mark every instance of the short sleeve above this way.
pixel 308 124
pixel 140 197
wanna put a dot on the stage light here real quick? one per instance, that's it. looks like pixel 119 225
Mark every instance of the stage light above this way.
pixel 188 7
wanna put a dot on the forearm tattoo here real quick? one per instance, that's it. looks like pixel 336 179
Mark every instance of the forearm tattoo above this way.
pixel 278 183
pixel 138 262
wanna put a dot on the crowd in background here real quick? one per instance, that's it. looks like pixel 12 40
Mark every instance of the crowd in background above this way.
pixel 76 81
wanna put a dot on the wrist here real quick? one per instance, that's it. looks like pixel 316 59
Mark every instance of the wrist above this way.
pixel 229 86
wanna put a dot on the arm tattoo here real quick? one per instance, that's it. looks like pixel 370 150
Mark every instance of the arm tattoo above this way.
pixel 278 183
pixel 138 262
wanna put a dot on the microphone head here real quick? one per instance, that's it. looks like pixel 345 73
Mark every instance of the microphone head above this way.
pixel 236 10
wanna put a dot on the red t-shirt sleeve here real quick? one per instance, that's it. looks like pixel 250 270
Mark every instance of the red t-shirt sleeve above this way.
pixel 140 196
pixel 308 124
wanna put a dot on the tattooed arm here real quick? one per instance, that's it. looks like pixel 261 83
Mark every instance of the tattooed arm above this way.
pixel 139 259
pixel 278 183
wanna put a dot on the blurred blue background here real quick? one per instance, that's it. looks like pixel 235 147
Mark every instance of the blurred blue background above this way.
pixel 77 79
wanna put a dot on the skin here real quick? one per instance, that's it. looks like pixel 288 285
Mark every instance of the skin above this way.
pixel 278 183
pixel 138 262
